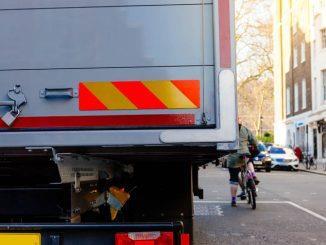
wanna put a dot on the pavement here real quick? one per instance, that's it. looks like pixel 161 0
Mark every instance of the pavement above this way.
pixel 321 169
pixel 290 210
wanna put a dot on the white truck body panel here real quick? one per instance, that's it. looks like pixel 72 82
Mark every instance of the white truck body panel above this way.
pixel 58 44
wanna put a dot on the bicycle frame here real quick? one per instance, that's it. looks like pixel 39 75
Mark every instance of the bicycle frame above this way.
pixel 310 161
pixel 248 184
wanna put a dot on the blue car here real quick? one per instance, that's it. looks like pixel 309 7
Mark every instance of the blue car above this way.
pixel 263 160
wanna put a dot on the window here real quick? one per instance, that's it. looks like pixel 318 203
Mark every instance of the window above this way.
pixel 261 147
pixel 295 57
pixel 296 97
pixel 304 93
pixel 323 38
pixel 300 136
pixel 324 83
pixel 303 52
pixel 288 100
pixel 276 150
pixel 289 139
pixel 324 144
pixel 314 96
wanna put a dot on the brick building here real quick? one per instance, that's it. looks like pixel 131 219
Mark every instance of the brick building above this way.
pixel 317 124
pixel 299 63
pixel 292 71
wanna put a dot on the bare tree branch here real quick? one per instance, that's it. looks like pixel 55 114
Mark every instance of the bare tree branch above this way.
pixel 254 32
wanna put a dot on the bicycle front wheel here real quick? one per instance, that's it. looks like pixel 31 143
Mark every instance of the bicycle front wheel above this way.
pixel 249 197
pixel 252 197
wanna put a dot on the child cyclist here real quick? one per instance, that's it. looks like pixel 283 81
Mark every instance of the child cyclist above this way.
pixel 237 160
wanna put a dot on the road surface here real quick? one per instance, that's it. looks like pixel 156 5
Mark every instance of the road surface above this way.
pixel 291 209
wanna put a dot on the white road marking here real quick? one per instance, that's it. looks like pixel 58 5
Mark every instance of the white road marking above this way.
pixel 219 210
pixel 308 211
pixel 205 210
pixel 227 202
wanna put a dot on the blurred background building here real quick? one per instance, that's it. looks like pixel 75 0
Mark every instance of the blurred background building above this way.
pixel 300 75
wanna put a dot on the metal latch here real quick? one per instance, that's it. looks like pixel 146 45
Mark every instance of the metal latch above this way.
pixel 17 99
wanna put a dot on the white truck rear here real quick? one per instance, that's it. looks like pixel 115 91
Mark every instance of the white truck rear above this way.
pixel 161 65
pixel 147 85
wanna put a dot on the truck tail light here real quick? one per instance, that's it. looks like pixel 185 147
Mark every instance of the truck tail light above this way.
pixel 144 238
pixel 185 239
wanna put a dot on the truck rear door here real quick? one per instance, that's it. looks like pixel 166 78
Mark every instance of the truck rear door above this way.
pixel 102 66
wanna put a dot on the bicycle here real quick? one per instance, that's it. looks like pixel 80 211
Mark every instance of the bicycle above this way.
pixel 249 186
pixel 310 162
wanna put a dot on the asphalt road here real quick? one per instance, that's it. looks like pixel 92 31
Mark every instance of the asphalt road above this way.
pixel 291 209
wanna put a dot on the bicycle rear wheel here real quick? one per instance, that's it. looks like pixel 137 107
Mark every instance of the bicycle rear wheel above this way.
pixel 315 165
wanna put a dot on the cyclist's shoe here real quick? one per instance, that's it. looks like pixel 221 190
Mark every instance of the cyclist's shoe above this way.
pixel 242 195
pixel 234 204
pixel 256 180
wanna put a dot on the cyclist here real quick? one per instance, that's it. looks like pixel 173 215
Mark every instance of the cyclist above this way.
pixel 236 161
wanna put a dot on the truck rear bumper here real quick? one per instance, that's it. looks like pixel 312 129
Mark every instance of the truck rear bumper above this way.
pixel 56 234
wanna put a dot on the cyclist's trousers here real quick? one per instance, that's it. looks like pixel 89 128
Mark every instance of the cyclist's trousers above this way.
pixel 234 175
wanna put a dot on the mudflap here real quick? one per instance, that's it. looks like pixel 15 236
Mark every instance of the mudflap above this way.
pixel 164 192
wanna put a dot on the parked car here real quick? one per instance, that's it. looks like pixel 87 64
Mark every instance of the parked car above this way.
pixel 263 160
pixel 283 158
pixel 268 145
pixel 223 161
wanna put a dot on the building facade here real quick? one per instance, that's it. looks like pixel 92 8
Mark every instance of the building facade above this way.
pixel 299 67
pixel 317 119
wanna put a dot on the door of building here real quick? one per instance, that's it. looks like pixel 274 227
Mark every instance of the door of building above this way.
pixel 315 142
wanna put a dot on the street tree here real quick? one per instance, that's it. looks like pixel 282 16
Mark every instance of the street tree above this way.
pixel 254 36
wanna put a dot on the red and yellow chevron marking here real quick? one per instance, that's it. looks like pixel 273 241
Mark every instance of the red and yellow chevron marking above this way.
pixel 139 95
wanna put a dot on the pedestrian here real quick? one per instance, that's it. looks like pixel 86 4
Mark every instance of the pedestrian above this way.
pixel 236 161
pixel 298 153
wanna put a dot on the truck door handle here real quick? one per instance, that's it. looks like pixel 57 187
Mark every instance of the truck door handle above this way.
pixel 65 93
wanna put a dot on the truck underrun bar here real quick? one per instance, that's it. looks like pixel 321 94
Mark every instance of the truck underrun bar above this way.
pixel 113 227
pixel 84 234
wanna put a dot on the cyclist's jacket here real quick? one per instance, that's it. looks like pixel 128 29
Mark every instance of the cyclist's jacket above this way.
pixel 246 138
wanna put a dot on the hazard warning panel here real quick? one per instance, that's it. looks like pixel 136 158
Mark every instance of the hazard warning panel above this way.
pixel 139 95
